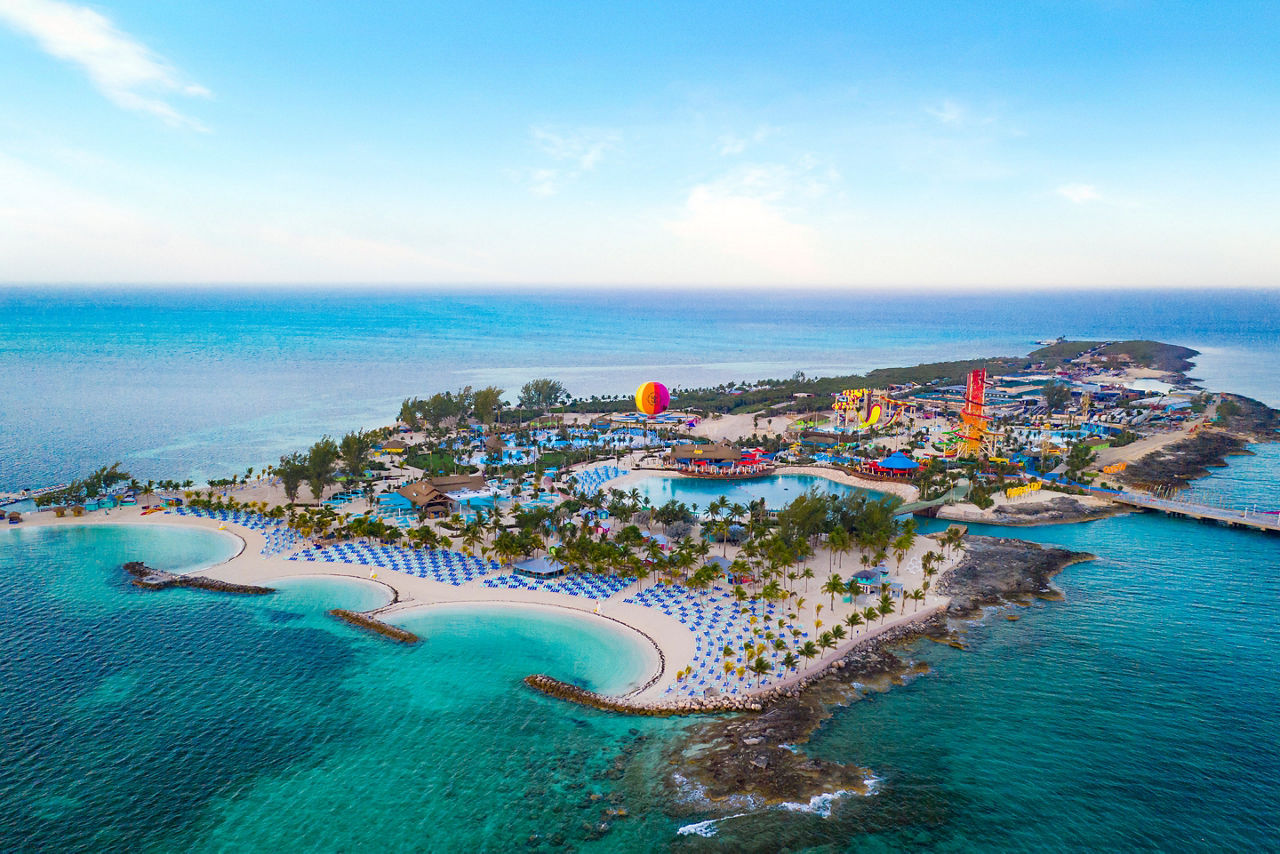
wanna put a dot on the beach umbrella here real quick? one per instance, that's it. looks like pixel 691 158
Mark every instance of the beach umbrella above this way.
pixel 652 398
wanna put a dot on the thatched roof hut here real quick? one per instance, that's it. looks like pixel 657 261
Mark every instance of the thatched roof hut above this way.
pixel 713 453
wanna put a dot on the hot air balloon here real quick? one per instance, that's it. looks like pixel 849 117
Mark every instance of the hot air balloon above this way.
pixel 652 398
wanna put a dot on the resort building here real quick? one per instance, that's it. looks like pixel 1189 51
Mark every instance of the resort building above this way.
pixel 459 483
pixel 683 455
pixel 718 460
pixel 418 497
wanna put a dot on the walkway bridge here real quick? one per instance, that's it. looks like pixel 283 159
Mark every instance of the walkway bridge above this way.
pixel 1229 516
pixel 957 493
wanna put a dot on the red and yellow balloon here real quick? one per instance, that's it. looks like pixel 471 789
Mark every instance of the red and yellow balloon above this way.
pixel 652 398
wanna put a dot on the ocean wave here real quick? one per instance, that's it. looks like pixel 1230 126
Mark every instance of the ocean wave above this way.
pixel 705 828
pixel 819 805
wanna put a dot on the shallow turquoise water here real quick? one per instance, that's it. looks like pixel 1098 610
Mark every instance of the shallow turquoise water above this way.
pixel 186 720
pixel 777 490
pixel 1137 714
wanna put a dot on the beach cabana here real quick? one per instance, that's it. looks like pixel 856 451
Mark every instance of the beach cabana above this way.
pixel 719 563
pixel 539 567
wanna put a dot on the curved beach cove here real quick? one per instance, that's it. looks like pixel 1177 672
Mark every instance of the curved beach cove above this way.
pixel 255 721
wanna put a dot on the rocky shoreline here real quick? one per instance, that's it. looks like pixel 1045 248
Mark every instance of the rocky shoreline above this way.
pixel 752 757
pixel 1060 510
pixel 1241 421
pixel 1002 570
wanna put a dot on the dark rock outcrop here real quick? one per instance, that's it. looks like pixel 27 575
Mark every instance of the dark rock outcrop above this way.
pixel 157 579
pixel 1185 460
pixel 998 570
pixel 1238 422
pixel 1055 511
pixel 364 621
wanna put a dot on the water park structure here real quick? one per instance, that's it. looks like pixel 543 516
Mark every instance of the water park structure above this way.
pixel 863 409
pixel 974 437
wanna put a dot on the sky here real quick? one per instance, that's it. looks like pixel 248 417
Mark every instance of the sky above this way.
pixel 819 144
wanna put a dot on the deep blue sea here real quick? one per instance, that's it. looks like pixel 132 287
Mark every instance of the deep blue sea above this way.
pixel 1138 713
pixel 180 383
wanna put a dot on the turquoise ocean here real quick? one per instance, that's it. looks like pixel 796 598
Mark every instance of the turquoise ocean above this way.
pixel 1138 713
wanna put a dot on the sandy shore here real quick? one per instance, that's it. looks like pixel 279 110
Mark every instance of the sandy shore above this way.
pixel 670 644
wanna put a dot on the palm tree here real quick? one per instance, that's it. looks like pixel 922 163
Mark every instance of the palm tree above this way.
pixel 826 640
pixel 917 596
pixel 953 538
pixel 809 652
pixel 760 667
pixel 885 607
pixel 789 661
pixel 839 543
pixel 870 614
pixel 853 620
pixel 838 632
pixel 834 586
pixel 901 545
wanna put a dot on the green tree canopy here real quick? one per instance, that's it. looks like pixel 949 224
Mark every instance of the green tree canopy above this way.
pixel 543 394
pixel 486 403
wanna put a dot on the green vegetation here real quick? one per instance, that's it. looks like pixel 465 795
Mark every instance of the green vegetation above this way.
pixel 1080 457
pixel 92 486
pixel 437 462
pixel 542 394
pixel 1056 395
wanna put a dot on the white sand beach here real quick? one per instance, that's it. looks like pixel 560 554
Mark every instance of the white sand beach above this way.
pixel 657 630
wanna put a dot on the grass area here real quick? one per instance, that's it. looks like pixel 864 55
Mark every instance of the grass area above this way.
pixel 438 462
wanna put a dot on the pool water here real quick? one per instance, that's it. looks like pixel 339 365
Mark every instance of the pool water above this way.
pixel 777 490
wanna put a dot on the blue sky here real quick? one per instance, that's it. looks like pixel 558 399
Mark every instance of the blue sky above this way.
pixel 1023 144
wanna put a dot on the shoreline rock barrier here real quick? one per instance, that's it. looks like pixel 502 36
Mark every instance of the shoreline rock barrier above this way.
pixel 158 579
pixel 372 624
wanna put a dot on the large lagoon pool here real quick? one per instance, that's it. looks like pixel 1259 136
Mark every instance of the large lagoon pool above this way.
pixel 777 490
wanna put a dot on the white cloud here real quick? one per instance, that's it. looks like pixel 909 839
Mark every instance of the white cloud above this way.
pixel 576 152
pixel 544 182
pixel 949 112
pixel 122 68
pixel 584 147
pixel 731 144
pixel 751 230
pixel 748 216
pixel 1079 193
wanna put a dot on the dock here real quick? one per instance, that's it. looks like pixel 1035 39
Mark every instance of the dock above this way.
pixel 1229 516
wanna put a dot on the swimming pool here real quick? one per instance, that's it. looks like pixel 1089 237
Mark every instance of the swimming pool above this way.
pixel 777 490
